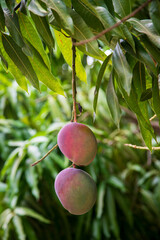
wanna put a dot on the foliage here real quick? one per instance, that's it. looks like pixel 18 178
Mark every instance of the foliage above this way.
pixel 128 183
pixel 33 34
pixel 32 29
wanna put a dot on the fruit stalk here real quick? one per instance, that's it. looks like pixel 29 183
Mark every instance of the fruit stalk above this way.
pixel 74 92
pixel 35 163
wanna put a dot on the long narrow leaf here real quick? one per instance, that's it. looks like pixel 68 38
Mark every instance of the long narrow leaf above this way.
pixel 122 68
pixel 63 16
pixel 43 74
pixel 156 97
pixel 99 80
pixel 13 69
pixel 20 59
pixel 23 211
pixel 30 33
pixel 19 227
pixel 154 11
pixel 2 19
pixel 112 101
pixel 43 29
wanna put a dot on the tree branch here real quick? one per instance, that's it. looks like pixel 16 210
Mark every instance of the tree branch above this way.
pixel 45 155
pixel 115 25
pixel 74 92
pixel 140 147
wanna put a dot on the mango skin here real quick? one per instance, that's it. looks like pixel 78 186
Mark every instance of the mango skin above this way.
pixel 76 190
pixel 78 143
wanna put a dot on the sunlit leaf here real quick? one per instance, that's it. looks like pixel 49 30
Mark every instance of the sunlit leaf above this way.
pixel 65 45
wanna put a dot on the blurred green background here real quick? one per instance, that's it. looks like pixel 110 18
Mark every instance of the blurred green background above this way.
pixel 128 180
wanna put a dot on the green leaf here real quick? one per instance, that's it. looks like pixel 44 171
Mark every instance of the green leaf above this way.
pixel 37 9
pixel 122 7
pixel 99 80
pixel 108 20
pixel 147 94
pixel 83 32
pixel 122 68
pixel 43 74
pixel 124 206
pixel 12 68
pixel 128 36
pixel 2 19
pixel 12 24
pixel 86 10
pixel 147 135
pixel 10 4
pixel 106 227
pixel 117 183
pixel 141 54
pixel 154 51
pixel 11 21
pixel 61 14
pixel 3 187
pixel 24 211
pixel 139 80
pixel 43 29
pixel 150 201
pixel 154 11
pixel 20 59
pixel 156 96
pixel 110 6
pixel 112 101
pixel 19 228
pixel 30 33
pixel 100 199
pixel 132 101
pixel 5 218
pixel 32 180
pixel 65 45
pixel 112 213
pixel 9 161
pixel 145 27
